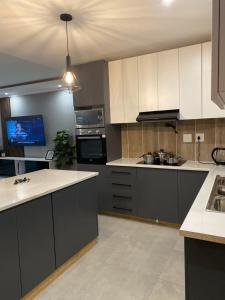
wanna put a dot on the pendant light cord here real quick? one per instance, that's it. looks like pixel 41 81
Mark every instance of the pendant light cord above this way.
pixel 67 39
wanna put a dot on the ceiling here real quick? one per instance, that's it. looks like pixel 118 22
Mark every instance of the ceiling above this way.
pixel 33 38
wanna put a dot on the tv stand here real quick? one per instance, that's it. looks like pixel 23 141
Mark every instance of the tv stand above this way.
pixel 11 166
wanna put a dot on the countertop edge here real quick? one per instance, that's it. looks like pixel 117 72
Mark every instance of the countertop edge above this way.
pixel 187 166
pixel 202 236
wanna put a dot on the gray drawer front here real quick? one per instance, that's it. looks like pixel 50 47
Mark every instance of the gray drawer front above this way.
pixel 122 201
pixel 122 174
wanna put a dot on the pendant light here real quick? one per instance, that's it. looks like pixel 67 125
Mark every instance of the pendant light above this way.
pixel 69 76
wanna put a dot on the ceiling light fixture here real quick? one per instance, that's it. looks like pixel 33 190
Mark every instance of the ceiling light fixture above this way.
pixel 168 2
pixel 59 86
pixel 69 76
pixel 6 94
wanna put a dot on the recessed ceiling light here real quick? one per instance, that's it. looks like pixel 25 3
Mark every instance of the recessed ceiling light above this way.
pixel 167 2
pixel 6 94
pixel 59 86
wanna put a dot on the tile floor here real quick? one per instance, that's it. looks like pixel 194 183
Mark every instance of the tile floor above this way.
pixel 132 261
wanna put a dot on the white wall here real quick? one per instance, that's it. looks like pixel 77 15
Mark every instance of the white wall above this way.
pixel 58 113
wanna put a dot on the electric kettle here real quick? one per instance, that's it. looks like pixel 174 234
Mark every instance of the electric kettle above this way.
pixel 218 155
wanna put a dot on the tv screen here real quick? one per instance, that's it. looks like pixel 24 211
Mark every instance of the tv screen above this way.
pixel 27 131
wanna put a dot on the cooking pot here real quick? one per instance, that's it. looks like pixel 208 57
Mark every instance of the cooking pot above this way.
pixel 148 158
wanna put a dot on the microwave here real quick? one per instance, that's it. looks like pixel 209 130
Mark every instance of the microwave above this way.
pixel 90 118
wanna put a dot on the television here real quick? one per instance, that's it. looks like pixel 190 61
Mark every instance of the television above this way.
pixel 25 131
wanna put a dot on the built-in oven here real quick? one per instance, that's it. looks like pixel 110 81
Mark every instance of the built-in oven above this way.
pixel 92 117
pixel 91 146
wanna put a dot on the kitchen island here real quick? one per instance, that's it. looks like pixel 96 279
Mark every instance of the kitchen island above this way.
pixel 44 223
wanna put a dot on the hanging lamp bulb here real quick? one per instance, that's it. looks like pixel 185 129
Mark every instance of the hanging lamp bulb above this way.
pixel 69 76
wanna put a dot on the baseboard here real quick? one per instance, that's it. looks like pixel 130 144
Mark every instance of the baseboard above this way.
pixel 139 219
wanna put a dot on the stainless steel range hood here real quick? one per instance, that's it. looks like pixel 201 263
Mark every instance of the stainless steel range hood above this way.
pixel 163 115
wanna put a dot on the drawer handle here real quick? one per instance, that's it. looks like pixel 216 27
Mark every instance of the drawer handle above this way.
pixel 121 184
pixel 122 197
pixel 121 173
pixel 122 208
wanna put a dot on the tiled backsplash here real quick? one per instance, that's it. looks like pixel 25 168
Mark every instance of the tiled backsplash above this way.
pixel 140 138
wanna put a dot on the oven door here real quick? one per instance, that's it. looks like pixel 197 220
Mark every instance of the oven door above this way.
pixel 90 118
pixel 91 149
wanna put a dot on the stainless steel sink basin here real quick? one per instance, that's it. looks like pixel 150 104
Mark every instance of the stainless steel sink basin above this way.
pixel 217 198
pixel 218 204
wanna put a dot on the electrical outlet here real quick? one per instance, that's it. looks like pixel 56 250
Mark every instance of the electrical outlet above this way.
pixel 187 138
pixel 200 137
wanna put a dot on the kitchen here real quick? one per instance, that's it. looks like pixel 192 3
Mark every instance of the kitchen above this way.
pixel 139 214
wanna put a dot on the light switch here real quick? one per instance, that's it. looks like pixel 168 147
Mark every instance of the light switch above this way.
pixel 187 138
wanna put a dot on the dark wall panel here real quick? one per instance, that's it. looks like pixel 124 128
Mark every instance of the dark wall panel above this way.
pixel 5 111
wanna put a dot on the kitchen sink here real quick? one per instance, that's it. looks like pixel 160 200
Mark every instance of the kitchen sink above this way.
pixel 219 204
pixel 217 198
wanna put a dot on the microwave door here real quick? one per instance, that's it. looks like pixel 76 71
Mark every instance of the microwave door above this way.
pixel 93 118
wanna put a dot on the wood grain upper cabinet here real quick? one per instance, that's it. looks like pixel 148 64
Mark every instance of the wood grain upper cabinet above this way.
pixel 218 50
pixel 209 108
pixel 130 81
pixel 168 80
pixel 116 91
pixel 190 69
pixel 123 86
pixel 147 77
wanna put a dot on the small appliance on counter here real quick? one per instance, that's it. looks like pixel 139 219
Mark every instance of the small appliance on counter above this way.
pixel 218 156
pixel 162 157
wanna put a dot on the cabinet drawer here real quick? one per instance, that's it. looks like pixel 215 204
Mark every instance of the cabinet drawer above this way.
pixel 122 201
pixel 123 174
pixel 121 186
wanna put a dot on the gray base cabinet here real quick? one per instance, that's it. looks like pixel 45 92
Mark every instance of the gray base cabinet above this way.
pixel 122 188
pixel 157 194
pixel 75 219
pixel 189 184
pixel 36 242
pixel 101 185
pixel 204 270
pixel 10 288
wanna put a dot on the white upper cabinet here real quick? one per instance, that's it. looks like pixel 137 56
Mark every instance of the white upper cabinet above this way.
pixel 209 108
pixel 190 74
pixel 116 91
pixel 173 79
pixel 168 80
pixel 147 77
pixel 130 88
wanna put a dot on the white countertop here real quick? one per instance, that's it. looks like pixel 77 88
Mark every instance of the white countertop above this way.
pixel 199 223
pixel 41 183
pixel 23 158
pixel 188 165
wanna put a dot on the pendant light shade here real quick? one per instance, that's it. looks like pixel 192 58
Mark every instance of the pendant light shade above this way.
pixel 69 76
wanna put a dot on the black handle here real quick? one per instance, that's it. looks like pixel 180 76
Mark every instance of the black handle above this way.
pixel 122 184
pixel 122 208
pixel 122 197
pixel 121 173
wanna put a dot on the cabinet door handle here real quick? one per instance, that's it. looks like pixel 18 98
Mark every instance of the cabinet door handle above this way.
pixel 121 184
pixel 121 173
pixel 122 208
pixel 122 197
